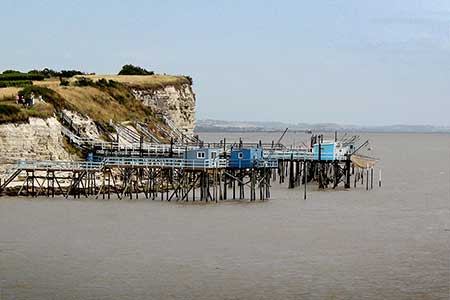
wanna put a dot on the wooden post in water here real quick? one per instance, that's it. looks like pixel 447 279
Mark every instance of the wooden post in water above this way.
pixel 371 178
pixel 291 172
pixel 347 172
pixel 225 187
pixel 379 179
pixel 319 165
pixel 305 177
pixel 367 179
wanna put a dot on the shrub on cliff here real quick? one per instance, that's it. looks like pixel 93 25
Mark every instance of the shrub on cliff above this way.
pixel 84 81
pixel 189 78
pixel 63 82
pixel 134 70
pixel 70 73
pixel 11 113
pixel 103 83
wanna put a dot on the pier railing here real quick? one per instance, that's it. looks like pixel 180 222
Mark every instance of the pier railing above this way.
pixel 58 165
pixel 165 162
pixel 119 162
pixel 250 163
pixel 286 155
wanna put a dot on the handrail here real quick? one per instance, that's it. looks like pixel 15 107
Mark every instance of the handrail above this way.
pixel 126 133
pixel 180 135
pixel 297 155
pixel 143 129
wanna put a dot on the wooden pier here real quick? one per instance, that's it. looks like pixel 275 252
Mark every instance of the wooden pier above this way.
pixel 179 173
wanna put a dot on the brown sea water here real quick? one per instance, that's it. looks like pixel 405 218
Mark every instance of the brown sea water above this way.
pixel 388 243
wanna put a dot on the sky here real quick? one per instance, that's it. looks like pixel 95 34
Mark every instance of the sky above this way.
pixel 356 62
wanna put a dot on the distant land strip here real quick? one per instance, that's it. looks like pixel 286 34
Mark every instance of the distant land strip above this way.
pixel 209 125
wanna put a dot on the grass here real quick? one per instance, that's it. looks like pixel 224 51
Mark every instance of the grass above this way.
pixel 73 150
pixel 9 92
pixel 40 110
pixel 105 103
pixel 99 102
pixel 50 83
pixel 13 113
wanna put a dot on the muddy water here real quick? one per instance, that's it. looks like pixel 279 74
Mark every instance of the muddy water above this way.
pixel 389 243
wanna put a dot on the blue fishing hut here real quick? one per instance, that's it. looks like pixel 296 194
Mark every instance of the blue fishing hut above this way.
pixel 201 155
pixel 245 158
pixel 331 151
pixel 325 152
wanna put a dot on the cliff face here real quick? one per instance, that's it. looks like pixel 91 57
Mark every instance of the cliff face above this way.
pixel 39 139
pixel 177 102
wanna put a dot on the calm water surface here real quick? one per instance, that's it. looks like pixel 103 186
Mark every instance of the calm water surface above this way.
pixel 389 243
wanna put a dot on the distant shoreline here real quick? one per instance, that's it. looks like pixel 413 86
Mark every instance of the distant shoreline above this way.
pixel 317 131
pixel 210 125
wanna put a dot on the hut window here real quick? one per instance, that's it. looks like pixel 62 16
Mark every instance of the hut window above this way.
pixel 200 154
pixel 240 155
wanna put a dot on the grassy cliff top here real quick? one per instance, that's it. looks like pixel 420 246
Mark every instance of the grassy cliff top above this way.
pixel 101 97
pixel 141 81
pixel 134 81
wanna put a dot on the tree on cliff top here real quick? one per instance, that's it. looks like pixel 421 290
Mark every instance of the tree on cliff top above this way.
pixel 134 70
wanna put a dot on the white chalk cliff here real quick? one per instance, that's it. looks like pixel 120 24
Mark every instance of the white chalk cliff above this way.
pixel 175 102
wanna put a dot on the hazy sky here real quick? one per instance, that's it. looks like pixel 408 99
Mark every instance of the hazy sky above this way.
pixel 350 61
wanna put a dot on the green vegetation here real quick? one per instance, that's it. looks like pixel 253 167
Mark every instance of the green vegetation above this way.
pixel 134 70
pixel 84 81
pixel 47 73
pixel 69 73
pixel 189 79
pixel 8 109
pixel 64 82
pixel 20 76
pixel 11 113
pixel 37 75
pixel 17 83
pixel 10 72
